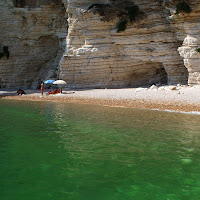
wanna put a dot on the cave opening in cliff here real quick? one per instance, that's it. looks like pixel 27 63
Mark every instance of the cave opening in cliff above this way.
pixel 149 74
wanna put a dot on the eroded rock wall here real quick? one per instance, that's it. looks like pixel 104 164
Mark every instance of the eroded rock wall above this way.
pixel 35 36
pixel 187 30
pixel 191 58
pixel 145 53
pixel 159 48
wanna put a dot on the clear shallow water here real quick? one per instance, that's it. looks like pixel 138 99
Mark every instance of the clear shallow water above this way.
pixel 55 151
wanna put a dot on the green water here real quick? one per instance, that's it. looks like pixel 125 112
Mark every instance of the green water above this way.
pixel 55 151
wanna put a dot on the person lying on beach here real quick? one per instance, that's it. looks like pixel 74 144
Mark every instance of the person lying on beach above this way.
pixel 20 92
pixel 54 91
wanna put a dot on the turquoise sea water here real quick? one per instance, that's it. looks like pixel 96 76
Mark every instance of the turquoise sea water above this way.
pixel 57 151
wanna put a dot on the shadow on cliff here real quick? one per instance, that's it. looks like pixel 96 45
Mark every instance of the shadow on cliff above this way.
pixel 7 92
pixel 13 92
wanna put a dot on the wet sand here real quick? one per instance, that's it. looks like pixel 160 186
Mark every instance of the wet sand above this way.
pixel 173 98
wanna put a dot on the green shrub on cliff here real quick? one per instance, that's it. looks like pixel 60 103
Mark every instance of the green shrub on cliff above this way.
pixel 183 7
pixel 197 50
pixel 133 12
pixel 124 10
pixel 104 10
pixel 121 26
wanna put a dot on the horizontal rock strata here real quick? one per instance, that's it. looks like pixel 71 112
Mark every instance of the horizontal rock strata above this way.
pixel 46 39
pixel 35 37
pixel 144 54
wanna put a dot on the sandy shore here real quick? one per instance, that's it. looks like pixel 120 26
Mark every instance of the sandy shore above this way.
pixel 175 98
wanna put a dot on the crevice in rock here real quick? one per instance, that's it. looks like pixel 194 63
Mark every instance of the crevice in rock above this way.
pixel 4 52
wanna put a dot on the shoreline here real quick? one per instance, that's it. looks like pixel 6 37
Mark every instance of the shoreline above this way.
pixel 179 99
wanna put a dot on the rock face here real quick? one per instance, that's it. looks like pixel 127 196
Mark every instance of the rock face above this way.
pixel 187 28
pixel 191 58
pixel 34 32
pixel 37 43
pixel 144 54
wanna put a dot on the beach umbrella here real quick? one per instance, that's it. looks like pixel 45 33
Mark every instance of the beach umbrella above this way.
pixel 59 82
pixel 49 81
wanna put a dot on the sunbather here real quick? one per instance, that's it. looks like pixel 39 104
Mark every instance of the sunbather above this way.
pixel 20 92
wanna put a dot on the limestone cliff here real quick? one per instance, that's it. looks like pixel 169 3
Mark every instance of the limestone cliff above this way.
pixel 34 32
pixel 145 53
pixel 88 51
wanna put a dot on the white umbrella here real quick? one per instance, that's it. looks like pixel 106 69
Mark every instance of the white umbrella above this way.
pixel 59 82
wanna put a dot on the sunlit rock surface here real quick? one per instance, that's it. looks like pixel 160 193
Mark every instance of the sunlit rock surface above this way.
pixel 35 35
pixel 62 39
pixel 144 54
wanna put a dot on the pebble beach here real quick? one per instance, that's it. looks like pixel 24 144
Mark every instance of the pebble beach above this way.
pixel 180 98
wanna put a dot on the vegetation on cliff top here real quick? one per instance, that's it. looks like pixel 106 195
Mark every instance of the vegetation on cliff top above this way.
pixel 127 12
pixel 197 50
pixel 124 10
pixel 34 3
pixel 183 7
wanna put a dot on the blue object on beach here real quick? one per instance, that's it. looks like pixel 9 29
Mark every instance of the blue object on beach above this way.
pixel 49 81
